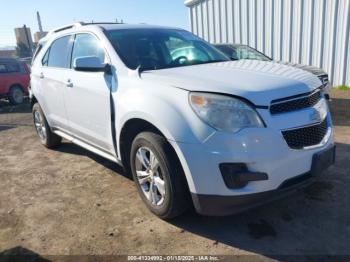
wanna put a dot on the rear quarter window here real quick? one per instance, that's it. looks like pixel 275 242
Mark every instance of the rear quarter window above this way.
pixel 37 51
pixel 45 60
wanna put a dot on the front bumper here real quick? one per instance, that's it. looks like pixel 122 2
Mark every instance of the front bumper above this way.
pixel 214 205
pixel 262 150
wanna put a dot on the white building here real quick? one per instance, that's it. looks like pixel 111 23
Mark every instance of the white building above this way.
pixel 312 32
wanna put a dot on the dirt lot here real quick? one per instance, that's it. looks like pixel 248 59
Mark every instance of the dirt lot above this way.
pixel 70 201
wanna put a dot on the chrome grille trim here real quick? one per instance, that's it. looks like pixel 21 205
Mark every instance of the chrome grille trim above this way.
pixel 296 103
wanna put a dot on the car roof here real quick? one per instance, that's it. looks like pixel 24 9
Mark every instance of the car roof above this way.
pixel 231 45
pixel 132 26
pixel 101 25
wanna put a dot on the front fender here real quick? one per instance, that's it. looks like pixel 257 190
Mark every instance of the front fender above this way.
pixel 165 108
pixel 169 111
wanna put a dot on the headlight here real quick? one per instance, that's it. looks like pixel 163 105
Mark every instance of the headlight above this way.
pixel 224 113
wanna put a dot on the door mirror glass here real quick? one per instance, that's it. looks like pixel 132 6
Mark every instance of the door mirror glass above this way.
pixel 89 64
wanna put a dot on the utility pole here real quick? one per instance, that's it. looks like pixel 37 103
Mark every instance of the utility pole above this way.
pixel 39 22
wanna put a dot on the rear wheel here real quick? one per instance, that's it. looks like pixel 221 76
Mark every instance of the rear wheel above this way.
pixel 47 137
pixel 16 95
pixel 159 176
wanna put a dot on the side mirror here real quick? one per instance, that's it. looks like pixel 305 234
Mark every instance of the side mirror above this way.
pixel 90 64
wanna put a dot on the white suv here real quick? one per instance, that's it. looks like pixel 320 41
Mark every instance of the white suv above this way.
pixel 191 126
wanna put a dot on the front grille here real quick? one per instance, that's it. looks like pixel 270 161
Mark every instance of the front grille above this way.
pixel 306 136
pixel 296 104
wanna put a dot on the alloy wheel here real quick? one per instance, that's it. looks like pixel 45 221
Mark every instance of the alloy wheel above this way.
pixel 149 176
pixel 40 125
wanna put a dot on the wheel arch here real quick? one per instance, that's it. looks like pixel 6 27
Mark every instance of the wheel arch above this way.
pixel 15 85
pixel 33 101
pixel 131 128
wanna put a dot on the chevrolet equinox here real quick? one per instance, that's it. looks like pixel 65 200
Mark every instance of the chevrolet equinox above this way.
pixel 192 127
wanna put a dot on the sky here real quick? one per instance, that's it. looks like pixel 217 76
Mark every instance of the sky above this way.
pixel 53 14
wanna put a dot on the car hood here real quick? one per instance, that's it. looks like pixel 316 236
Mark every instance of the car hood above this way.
pixel 258 81
pixel 312 69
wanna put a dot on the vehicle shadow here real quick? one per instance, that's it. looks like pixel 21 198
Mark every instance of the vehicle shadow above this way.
pixel 70 148
pixel 6 127
pixel 20 254
pixel 340 111
pixel 312 221
pixel 6 107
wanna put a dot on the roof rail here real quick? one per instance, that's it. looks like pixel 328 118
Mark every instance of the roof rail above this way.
pixel 107 23
pixel 78 24
pixel 62 28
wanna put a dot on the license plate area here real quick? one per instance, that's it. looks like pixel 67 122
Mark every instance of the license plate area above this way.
pixel 323 160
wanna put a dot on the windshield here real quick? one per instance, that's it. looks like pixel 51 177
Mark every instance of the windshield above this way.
pixel 153 49
pixel 242 52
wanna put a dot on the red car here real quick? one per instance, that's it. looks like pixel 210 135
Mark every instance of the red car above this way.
pixel 14 80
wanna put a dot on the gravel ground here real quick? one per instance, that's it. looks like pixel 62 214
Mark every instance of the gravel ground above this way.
pixel 71 202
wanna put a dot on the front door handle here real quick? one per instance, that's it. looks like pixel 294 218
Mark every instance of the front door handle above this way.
pixel 42 76
pixel 69 83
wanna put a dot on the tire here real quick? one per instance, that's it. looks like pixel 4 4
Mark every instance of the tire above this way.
pixel 171 197
pixel 16 95
pixel 47 137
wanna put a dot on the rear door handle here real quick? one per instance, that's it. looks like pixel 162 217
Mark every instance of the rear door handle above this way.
pixel 69 83
pixel 42 76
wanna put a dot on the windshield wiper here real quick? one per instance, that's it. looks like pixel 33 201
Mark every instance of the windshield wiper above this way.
pixel 212 61
pixel 143 69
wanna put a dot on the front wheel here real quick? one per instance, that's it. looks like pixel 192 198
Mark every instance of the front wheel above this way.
pixel 158 175
pixel 47 137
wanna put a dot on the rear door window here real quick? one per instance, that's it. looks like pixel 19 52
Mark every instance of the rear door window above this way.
pixel 58 54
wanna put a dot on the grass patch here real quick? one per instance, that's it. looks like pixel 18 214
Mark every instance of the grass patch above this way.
pixel 343 87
